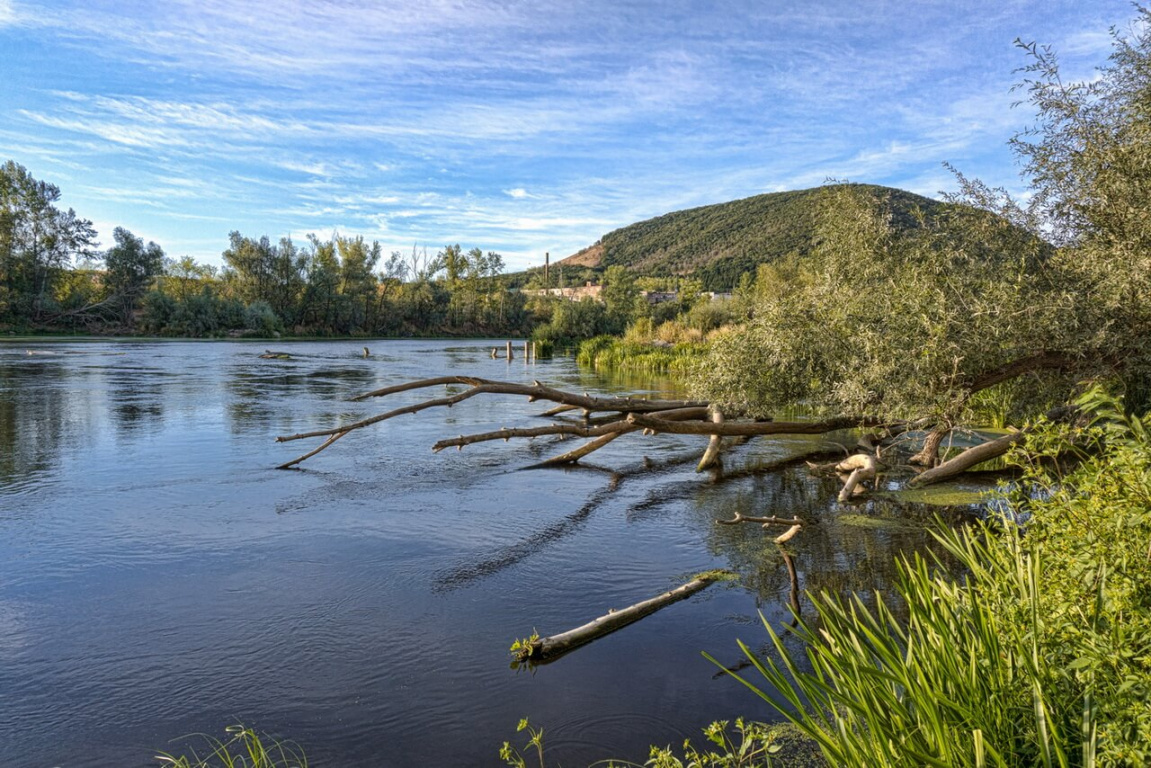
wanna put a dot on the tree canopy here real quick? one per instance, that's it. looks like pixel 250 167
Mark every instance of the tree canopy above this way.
pixel 984 297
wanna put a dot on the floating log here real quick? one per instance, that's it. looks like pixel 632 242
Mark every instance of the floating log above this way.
pixel 548 648
pixel 271 355
pixel 795 523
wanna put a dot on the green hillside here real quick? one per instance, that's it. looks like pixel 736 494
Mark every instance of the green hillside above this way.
pixel 718 243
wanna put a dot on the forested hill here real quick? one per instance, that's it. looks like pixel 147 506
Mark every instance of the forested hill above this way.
pixel 718 243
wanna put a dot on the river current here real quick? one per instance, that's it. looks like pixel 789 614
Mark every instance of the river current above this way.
pixel 159 577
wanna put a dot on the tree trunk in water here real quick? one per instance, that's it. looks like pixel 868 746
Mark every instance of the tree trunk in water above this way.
pixel 967 460
pixel 711 455
pixel 929 455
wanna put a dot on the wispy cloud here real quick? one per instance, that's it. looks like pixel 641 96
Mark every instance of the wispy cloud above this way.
pixel 521 127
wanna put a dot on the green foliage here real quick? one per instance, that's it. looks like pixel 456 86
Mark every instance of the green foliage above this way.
pixel 754 748
pixel 608 353
pixel 572 321
pixel 716 244
pixel 38 242
pixel 753 744
pixel 882 315
pixel 524 644
pixel 243 748
pixel 511 754
pixel 1041 655
pixel 129 269
pixel 262 319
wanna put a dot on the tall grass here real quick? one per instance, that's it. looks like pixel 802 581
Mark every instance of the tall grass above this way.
pixel 607 353
pixel 960 684
pixel 243 748
pixel 1039 656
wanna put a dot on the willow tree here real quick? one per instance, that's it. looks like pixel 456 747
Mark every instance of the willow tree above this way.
pixel 923 315
pixel 900 314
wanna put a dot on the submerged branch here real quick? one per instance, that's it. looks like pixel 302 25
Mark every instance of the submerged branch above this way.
pixel 766 521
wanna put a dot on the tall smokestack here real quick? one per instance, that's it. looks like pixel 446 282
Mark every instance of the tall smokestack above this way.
pixel 547 263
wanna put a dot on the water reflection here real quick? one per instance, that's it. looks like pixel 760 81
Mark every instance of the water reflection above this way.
pixel 39 410
pixel 159 576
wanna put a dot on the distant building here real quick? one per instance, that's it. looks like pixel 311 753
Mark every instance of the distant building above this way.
pixel 571 293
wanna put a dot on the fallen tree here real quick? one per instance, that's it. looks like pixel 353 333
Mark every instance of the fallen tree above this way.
pixel 548 648
pixel 627 415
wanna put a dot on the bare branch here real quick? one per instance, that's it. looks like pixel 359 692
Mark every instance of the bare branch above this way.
pixel 749 427
pixel 538 392
pixel 619 426
pixel 766 521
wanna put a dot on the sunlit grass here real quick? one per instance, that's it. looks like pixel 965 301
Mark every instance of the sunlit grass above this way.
pixel 242 748
pixel 606 353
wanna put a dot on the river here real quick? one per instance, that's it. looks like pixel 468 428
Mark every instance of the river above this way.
pixel 159 577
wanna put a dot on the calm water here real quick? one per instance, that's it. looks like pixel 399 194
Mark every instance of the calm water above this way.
pixel 158 577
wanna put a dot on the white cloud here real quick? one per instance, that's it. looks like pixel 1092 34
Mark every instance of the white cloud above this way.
pixel 518 193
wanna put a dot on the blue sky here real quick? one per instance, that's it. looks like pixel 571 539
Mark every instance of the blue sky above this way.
pixel 520 127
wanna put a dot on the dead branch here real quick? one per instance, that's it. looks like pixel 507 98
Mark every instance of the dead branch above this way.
pixel 727 429
pixel 545 648
pixel 711 455
pixel 788 535
pixel 989 450
pixel 616 428
pixel 765 521
pixel 969 458
pixel 310 454
pixel 479 386
pixel 571 457
pixel 558 410
pixel 536 391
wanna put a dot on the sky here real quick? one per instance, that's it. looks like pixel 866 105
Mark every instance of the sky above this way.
pixel 521 127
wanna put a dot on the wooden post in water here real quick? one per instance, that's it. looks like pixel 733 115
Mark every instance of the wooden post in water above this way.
pixel 509 351
pixel 535 351
pixel 527 351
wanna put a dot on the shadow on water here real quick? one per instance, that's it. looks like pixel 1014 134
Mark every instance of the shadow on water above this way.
pixel 505 557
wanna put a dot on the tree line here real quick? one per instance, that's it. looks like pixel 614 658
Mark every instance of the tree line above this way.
pixel 54 277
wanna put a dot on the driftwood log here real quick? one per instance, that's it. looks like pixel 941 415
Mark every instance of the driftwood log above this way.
pixel 548 648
